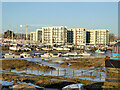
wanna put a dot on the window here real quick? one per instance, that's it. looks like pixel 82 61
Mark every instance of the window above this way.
pixel 115 49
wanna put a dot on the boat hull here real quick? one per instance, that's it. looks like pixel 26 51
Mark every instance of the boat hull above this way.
pixel 112 65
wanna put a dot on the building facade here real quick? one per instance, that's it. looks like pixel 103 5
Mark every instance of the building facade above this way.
pixel 39 35
pixel 54 35
pixel 62 35
pixel 97 37
pixel 33 36
pixel 69 36
pixel 79 36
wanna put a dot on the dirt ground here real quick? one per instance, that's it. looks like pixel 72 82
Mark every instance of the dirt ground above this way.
pixel 84 63
pixel 19 64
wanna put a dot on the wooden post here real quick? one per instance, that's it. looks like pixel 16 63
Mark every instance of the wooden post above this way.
pixel 26 31
pixel 51 72
pixel 90 73
pixel 58 72
pixel 65 72
pixel 81 73
pixel 73 73
pixel 100 76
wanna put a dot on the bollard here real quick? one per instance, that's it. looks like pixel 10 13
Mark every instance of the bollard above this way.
pixel 58 72
pixel 65 72
pixel 81 73
pixel 73 73
pixel 100 76
pixel 51 72
pixel 90 73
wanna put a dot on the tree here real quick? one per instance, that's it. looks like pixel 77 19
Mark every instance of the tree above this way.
pixel 8 34
pixel 111 37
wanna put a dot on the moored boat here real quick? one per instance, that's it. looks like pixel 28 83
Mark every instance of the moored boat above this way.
pixel 25 55
pixel 70 54
pixel 61 48
pixel 14 48
pixel 47 49
pixel 10 55
pixel 112 63
pixel 84 54
pixel 47 55
pixel 99 51
pixel 73 87
pixel 56 55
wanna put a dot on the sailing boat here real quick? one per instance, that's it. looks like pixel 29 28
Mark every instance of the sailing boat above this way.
pixel 84 53
pixel 99 51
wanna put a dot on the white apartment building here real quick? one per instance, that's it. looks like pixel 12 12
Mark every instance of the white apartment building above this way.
pixel 33 36
pixel 69 36
pixel 97 37
pixel 79 36
pixel 39 35
pixel 36 36
pixel 54 35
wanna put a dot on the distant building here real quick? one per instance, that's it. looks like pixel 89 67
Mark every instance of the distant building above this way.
pixel 79 36
pixel 69 36
pixel 39 35
pixel 9 34
pixel 18 36
pixel 62 35
pixel 54 35
pixel 33 36
pixel 97 37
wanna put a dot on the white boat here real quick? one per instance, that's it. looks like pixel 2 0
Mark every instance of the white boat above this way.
pixel 88 49
pixel 46 49
pixel 99 51
pixel 27 49
pixel 37 54
pixel 37 49
pixel 61 48
pixel 14 48
pixel 66 49
pixel 73 87
pixel 25 55
pixel 47 55
pixel 67 58
pixel 84 54
pixel 22 49
pixel 10 55
pixel 70 54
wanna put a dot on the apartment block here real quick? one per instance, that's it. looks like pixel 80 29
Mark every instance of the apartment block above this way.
pixel 39 35
pixel 54 35
pixel 33 36
pixel 62 35
pixel 79 36
pixel 69 36
pixel 97 37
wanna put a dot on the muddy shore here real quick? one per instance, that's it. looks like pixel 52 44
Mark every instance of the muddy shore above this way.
pixel 60 82
pixel 54 81
pixel 19 65
pixel 84 63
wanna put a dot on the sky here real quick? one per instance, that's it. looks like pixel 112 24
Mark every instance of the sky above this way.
pixel 89 15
